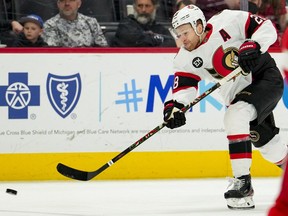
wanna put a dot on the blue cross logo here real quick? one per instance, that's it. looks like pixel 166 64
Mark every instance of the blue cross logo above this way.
pixel 18 95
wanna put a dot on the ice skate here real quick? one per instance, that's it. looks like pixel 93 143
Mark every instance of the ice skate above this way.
pixel 240 193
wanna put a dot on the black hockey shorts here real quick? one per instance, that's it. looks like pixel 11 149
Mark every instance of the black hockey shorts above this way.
pixel 264 93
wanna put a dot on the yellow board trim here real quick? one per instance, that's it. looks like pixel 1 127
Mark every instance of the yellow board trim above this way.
pixel 135 165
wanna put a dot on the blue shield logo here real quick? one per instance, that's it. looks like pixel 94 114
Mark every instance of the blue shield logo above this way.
pixel 63 92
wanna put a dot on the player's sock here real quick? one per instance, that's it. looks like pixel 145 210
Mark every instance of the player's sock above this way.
pixel 240 151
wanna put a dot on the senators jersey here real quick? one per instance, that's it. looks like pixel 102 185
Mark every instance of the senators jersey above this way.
pixel 217 55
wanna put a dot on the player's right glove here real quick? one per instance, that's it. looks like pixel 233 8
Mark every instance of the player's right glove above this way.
pixel 249 56
pixel 173 114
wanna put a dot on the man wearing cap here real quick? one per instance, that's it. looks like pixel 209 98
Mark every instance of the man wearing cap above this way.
pixel 32 30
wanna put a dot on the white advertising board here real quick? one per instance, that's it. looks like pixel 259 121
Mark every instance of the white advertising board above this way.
pixel 97 102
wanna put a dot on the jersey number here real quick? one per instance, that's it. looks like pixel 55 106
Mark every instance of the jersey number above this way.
pixel 258 20
pixel 176 82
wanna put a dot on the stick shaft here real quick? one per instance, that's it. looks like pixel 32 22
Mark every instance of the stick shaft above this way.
pixel 86 175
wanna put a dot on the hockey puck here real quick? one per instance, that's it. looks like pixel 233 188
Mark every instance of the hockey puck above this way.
pixel 11 191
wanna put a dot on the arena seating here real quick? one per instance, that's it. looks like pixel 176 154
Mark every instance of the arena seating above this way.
pixel 103 11
pixel 107 12
pixel 43 8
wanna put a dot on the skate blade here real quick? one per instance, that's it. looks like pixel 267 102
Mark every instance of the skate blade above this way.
pixel 240 203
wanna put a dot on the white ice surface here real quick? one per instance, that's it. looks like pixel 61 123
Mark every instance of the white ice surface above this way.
pixel 195 197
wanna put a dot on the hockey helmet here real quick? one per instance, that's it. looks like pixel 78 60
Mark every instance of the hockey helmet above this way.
pixel 189 14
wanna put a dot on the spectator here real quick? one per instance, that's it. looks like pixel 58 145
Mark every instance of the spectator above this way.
pixel 254 6
pixel 280 207
pixel 14 25
pixel 275 10
pixel 141 29
pixel 31 35
pixel 182 3
pixel 70 28
pixel 7 37
pixel 209 7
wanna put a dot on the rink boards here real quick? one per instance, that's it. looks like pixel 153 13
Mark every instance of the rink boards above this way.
pixel 82 107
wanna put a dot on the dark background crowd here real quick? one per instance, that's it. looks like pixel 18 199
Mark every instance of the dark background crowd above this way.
pixel 112 15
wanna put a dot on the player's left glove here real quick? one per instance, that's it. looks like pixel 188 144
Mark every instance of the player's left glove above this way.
pixel 249 56
pixel 173 114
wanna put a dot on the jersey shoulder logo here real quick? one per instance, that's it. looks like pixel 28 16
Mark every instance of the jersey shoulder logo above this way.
pixel 197 62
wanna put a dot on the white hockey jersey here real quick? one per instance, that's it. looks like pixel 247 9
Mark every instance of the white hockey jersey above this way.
pixel 217 56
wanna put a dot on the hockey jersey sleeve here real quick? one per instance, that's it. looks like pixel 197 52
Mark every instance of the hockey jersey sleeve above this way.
pixel 261 30
pixel 185 84
pixel 185 87
pixel 187 76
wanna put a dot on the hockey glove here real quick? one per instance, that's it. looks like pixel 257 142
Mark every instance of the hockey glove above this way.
pixel 173 114
pixel 249 56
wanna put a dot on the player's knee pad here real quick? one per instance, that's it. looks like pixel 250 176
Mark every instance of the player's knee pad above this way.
pixel 264 132
pixel 237 118
pixel 275 150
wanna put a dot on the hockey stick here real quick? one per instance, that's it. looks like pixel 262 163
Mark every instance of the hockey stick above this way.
pixel 88 175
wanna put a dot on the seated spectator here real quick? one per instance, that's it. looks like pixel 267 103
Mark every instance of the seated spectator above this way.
pixel 275 10
pixel 70 28
pixel 14 25
pixel 254 6
pixel 209 7
pixel 7 37
pixel 179 4
pixel 141 29
pixel 31 35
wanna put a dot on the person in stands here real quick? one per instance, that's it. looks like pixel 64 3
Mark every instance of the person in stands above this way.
pixel 141 28
pixel 275 10
pixel 11 24
pixel 209 7
pixel 32 30
pixel 69 28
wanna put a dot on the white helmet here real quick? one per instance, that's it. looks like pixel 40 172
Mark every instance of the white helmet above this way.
pixel 189 14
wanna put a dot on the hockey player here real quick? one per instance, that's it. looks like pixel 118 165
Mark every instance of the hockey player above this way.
pixel 211 51
pixel 285 49
pixel 280 208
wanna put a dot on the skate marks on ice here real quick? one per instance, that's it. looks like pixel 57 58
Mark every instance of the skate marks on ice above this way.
pixel 196 197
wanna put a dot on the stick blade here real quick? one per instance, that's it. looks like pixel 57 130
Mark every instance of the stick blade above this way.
pixel 72 172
